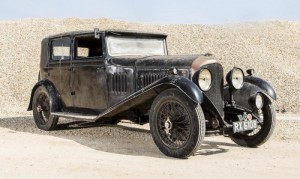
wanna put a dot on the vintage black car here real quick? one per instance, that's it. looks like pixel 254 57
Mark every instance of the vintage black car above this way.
pixel 112 75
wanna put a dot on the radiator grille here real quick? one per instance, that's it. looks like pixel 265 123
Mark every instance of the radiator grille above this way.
pixel 215 94
pixel 147 79
pixel 119 83
pixel 148 76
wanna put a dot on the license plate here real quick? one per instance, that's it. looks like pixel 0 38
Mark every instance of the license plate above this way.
pixel 244 126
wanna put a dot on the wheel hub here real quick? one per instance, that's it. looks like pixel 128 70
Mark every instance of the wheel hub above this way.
pixel 168 125
pixel 39 109
pixel 43 108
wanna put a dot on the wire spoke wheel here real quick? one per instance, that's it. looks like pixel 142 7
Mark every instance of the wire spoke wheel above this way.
pixel 174 124
pixel 177 124
pixel 262 133
pixel 260 124
pixel 41 107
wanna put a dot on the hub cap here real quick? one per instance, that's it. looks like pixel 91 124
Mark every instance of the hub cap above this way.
pixel 168 126
pixel 43 108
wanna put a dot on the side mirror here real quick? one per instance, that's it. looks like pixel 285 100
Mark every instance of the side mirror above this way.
pixel 96 33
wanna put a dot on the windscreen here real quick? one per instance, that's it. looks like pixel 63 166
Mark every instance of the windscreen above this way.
pixel 119 46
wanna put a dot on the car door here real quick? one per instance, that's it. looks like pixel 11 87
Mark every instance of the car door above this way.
pixel 59 71
pixel 89 87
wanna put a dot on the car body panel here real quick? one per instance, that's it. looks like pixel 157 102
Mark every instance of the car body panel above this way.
pixel 122 86
pixel 263 85
pixel 186 86
pixel 252 86
pixel 54 98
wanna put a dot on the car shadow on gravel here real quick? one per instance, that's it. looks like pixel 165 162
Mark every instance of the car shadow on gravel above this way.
pixel 127 139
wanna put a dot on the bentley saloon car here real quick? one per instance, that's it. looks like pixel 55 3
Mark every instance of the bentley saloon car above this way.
pixel 112 75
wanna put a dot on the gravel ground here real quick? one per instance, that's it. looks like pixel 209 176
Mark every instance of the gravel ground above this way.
pixel 120 138
pixel 272 48
pixel 112 138
pixel 87 150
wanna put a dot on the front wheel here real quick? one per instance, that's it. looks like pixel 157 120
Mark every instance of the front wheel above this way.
pixel 264 131
pixel 177 124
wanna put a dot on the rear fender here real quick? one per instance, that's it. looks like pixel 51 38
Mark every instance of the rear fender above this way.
pixel 55 104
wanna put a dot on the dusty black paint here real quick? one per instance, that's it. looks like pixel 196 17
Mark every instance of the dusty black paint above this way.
pixel 114 87
pixel 55 104
pixel 263 85
pixel 252 86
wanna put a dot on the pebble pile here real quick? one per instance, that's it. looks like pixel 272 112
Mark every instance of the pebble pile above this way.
pixel 272 48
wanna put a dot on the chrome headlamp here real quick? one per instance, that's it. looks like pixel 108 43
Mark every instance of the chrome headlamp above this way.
pixel 259 101
pixel 204 79
pixel 235 78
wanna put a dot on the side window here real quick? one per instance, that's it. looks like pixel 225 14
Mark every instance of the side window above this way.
pixel 60 49
pixel 87 47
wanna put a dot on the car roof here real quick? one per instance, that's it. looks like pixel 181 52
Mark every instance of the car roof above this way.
pixel 113 31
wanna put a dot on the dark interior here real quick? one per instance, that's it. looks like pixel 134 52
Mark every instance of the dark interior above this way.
pixel 92 45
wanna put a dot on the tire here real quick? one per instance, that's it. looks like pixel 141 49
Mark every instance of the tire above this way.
pixel 257 138
pixel 177 124
pixel 42 110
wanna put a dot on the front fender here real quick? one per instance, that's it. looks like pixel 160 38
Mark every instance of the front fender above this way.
pixel 149 92
pixel 266 88
pixel 54 97
pixel 252 86
pixel 189 88
pixel 186 86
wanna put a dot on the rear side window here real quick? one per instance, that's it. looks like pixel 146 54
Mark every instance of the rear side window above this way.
pixel 60 49
pixel 87 47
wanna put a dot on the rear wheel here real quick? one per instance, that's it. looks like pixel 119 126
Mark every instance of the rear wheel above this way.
pixel 177 124
pixel 263 132
pixel 42 110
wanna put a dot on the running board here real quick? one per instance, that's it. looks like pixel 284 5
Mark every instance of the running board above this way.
pixel 75 116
